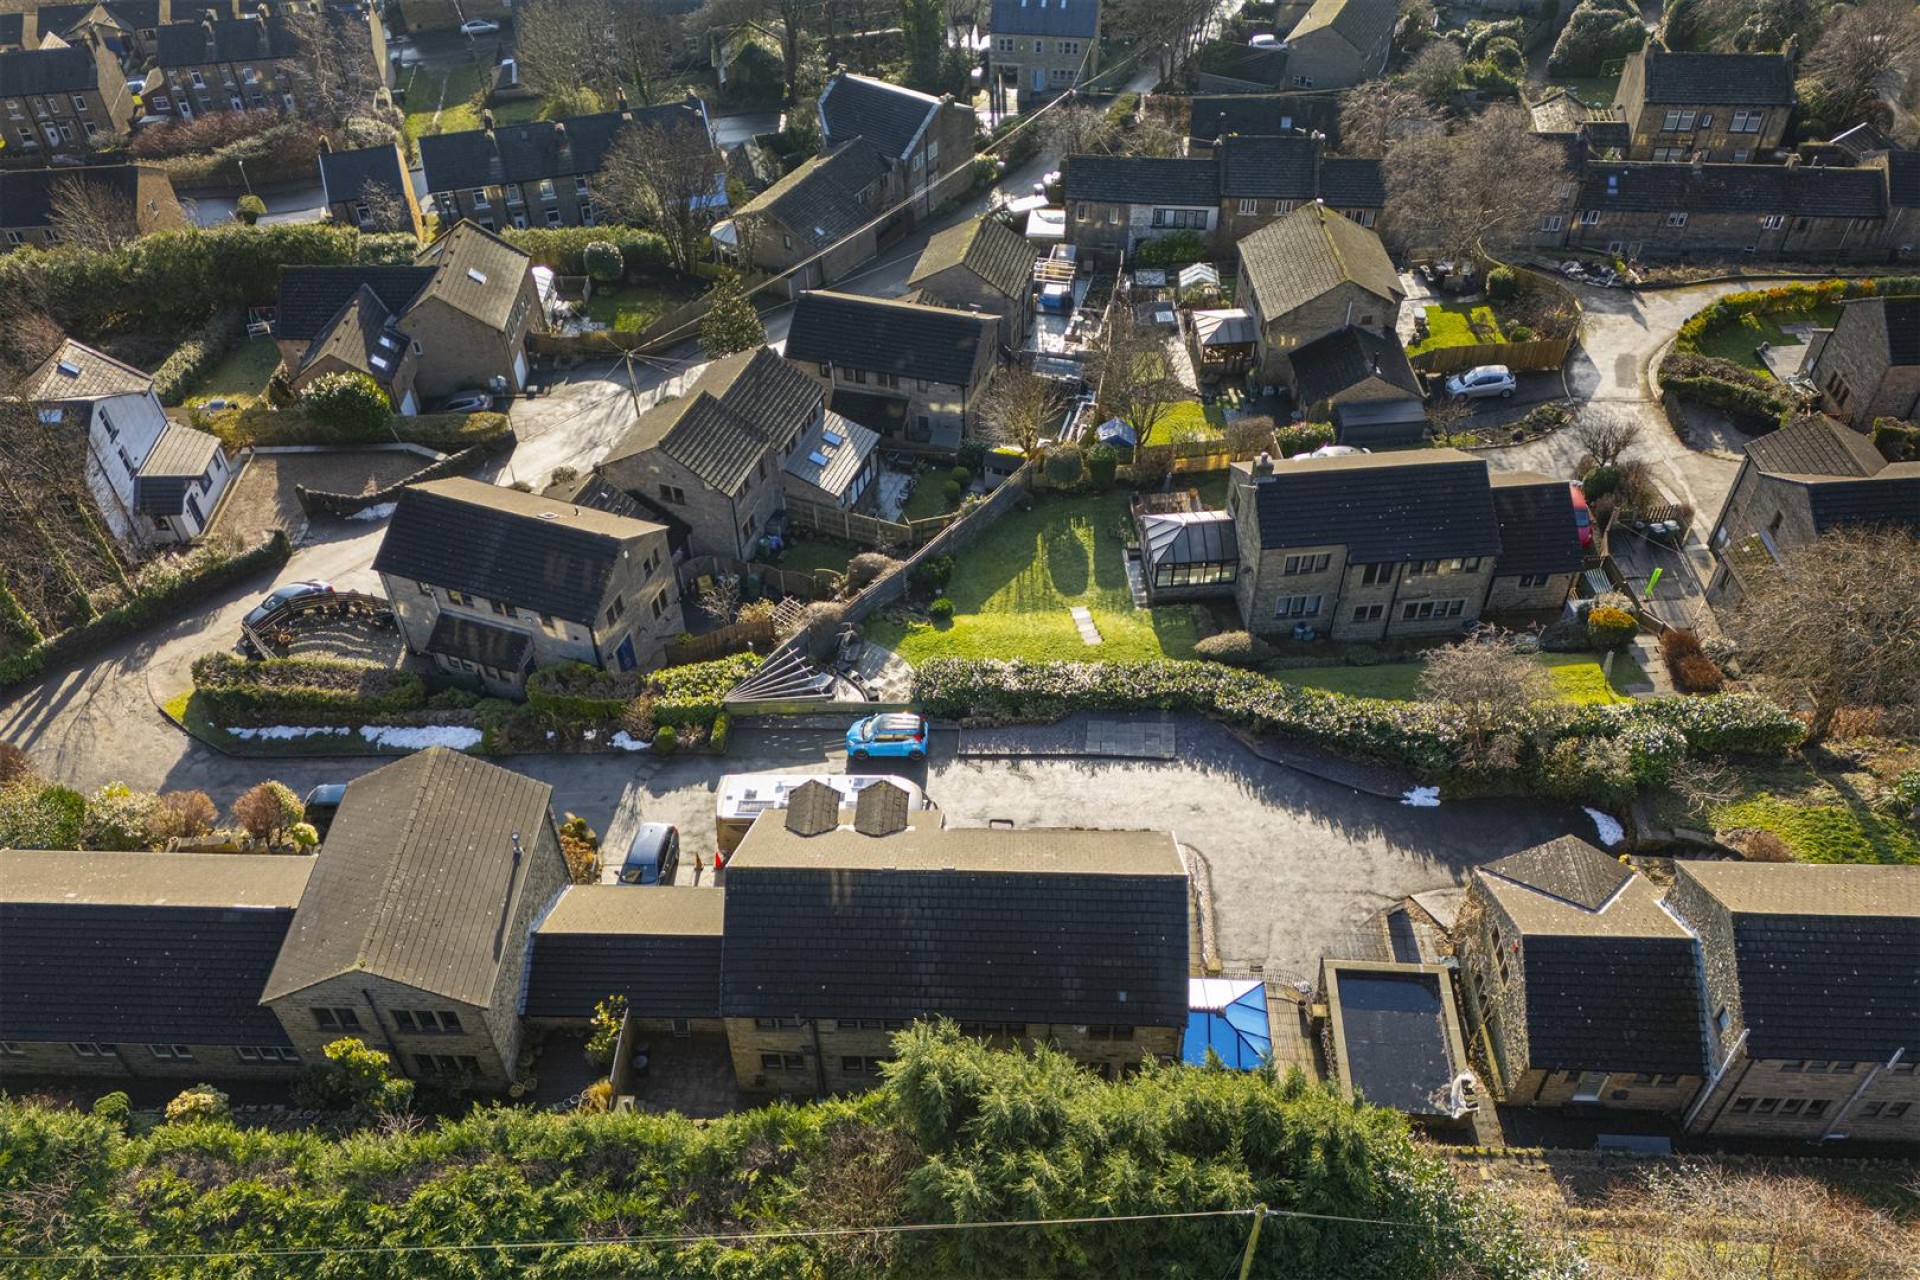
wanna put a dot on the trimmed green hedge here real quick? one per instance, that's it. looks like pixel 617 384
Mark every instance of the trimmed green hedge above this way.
pixel 565 248
pixel 297 690
pixel 1784 300
pixel 1725 385
pixel 196 356
pixel 162 597
pixel 683 695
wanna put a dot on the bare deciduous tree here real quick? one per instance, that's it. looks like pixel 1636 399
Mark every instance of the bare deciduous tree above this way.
pixel 386 209
pixel 1134 374
pixel 720 603
pixel 1491 689
pixel 560 44
pixel 1077 130
pixel 335 74
pixel 665 177
pixel 1837 624
pixel 1018 409
pixel 1371 122
pixel 1606 433
pixel 91 215
pixel 1865 59
pixel 1435 71
pixel 1464 193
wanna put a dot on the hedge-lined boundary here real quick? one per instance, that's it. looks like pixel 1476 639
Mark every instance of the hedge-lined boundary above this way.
pixel 159 603
pixel 297 690
pixel 320 502
pixel 683 695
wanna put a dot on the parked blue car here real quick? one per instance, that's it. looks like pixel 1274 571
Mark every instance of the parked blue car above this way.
pixel 894 734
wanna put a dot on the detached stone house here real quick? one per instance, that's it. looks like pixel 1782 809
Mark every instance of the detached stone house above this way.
pixel 1042 48
pixel 1797 483
pixel 1310 273
pixel 64 98
pixel 1869 366
pixel 842 926
pixel 1812 1023
pixel 818 222
pixel 152 480
pixel 1339 43
pixel 362 187
pixel 715 459
pixel 413 931
pixel 147 965
pixel 926 142
pixel 1581 989
pixel 912 373
pixel 1264 178
pixel 1729 107
pixel 29 199
pixel 982 265
pixel 493 583
pixel 465 306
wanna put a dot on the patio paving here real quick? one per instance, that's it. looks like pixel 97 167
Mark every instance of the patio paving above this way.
pixel 1144 737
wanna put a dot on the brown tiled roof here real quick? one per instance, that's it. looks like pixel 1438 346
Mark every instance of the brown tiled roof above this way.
pixel 1816 445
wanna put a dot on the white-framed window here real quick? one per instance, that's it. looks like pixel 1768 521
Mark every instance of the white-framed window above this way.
pixel 1004 44
pixel 546 189
pixel 1297 607
pixel 199 81
pixel 91 1049
pixel 1249 207
pixel 1677 219
pixel 580 185
pixel 479 197
pixel 1774 221
pixel 1552 222
pixel 1365 217
pixel 1068 48
pixel 1303 82
pixel 1589 217
pixel 1306 563
pixel 266 1053
pixel 1424 610
pixel 1742 156
pixel 553 218
pixel 171 1052
pixel 80 103
pixel 1677 122
pixel 1039 46
pixel 1747 121
pixel 1060 75
pixel 15 238
pixel 1535 579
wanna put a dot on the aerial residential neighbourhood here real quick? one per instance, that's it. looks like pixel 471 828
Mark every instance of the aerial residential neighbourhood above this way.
pixel 998 638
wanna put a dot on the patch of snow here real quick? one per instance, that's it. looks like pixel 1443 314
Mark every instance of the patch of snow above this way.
pixel 380 512
pixel 590 734
pixel 419 737
pixel 1422 798
pixel 623 741
pixel 282 732
pixel 1611 832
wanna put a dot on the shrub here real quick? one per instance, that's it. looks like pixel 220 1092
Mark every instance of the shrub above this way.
pixel 665 740
pixel 603 262
pixel 950 494
pixel 201 1102
pixel 1302 437
pixel 267 809
pixel 351 403
pixel 608 1015
pixel 115 1108
pixel 1569 635
pixel 356 1080
pixel 118 817
pixel 565 248
pixel 453 699
pixel 1761 846
pixel 1103 462
pixel 304 835
pixel 961 476
pixel 202 348
pixel 1235 648
pixel 15 764
pixel 1502 284
pixel 941 610
pixel 717 735
pixel 250 208
pixel 1063 467
pixel 1609 628
pixel 34 815
pixel 932 573
pixel 1587 769
pixel 1697 673
pixel 1679 643
pixel 580 846
pixel 869 567
pixel 1364 655
pixel 1722 384
pixel 1897 441
pixel 1601 482
pixel 318 690
pixel 183 815
pixel 1175 249
pixel 1598 32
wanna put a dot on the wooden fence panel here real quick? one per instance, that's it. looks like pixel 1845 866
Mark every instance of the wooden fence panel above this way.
pixel 1539 354
pixel 871 531
pixel 758 635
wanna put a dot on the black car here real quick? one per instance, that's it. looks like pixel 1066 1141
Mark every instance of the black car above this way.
pixel 654 855
pixel 322 803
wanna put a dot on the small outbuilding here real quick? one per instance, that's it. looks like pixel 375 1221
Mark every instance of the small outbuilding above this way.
pixel 1188 555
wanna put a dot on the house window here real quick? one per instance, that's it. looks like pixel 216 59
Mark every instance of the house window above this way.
pixel 1307 564
pixel 1894 1110
pixel 1004 44
pixel 461 598
pixel 1365 217
pixel 1706 119
pixel 1374 575
pixel 1742 156
pixel 777 1024
pixel 616 610
pixel 1677 122
pixel 1303 82
pixel 1192 219
pixel 783 1062
pixel 553 218
pixel 79 104
pixel 826 368
pixel 428 1021
pixel 852 1065
pixel 1249 207
pixel 1747 121
pixel 1791 1106
pixel 1589 217
pixel 199 81
pixel 1103 1031
pixel 746 530
pixel 1765 1106
pixel 1060 75
pixel 1068 48
pixel 266 1053
pixel 1676 219
pixel 1774 221
pixel 1741 1106
pixel 1838 390
pixel 1039 46
pixel 658 605
pixel 1535 579
pixel 1815 1107
pixel 580 186
pixel 91 1049
pixel 1552 222
pixel 479 198
pixel 1368 612
pixel 446 1064
pixel 673 493
pixel 546 189
pixel 1426 610
pixel 171 1052
pixel 336 1019
pixel 1297 607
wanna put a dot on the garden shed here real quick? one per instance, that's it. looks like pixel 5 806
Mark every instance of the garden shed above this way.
pixel 1223 341
pixel 1188 555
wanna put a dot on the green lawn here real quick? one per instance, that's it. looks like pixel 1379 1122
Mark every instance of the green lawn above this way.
pixel 1450 324
pixel 926 501
pixel 631 306
pixel 1576 676
pixel 809 554
pixel 1736 342
pixel 242 376
pixel 1013 588
pixel 1843 831
pixel 1190 420
pixel 1594 91
pixel 428 87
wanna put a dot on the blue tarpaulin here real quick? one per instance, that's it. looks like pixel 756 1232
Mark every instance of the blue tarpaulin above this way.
pixel 1228 1016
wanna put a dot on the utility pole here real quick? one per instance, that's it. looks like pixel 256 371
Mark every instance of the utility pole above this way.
pixel 1253 1239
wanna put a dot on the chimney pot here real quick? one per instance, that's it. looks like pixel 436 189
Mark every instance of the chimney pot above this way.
pixel 1263 465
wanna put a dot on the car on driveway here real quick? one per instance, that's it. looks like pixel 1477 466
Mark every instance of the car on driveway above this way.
pixel 653 855
pixel 468 402
pixel 1582 517
pixel 479 27
pixel 321 804
pixel 286 595
pixel 895 734
pixel 1482 382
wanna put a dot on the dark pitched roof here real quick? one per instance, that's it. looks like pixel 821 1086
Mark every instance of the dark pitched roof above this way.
pixel 1344 359
pixel 345 174
pixel 1860 139
pixel 888 336
pixel 25 72
pixel 1890 498
pixel 822 201
pixel 1613 1004
pixel 538 149
pixel 1141 180
pixel 310 297
pixel 362 337
pixel 188 44
pixel 884 414
pixel 1045 18
pixel 476 272
pixel 1828 957
pixel 1361 23
pixel 658 946
pixel 473 640
pixel 26 195
pixel 1739 79
pixel 142 948
pixel 1223 68
pixel 1537 532
pixel 890 116
pixel 76 371
pixel 501 544
pixel 1034 926
pixel 1801 191
pixel 1293 260
pixel 1279 167
pixel 742 405
pixel 1352 182
pixel 179 457
pixel 1900 317
pixel 1903 179
pixel 1385 508
pixel 1816 445
pixel 417 876
pixel 1213 117
pixel 1568 868
pixel 1000 256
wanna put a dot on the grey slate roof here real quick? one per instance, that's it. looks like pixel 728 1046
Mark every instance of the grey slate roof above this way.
pixel 1385 508
pixel 1537 532
pixel 657 945
pixel 26 195
pixel 1352 182
pixel 1212 117
pixel 1275 167
pixel 1757 189
pixel 95 376
pixel 26 72
pixel 1613 1004
pixel 310 297
pixel 1345 358
pixel 1293 260
pixel 888 336
pixel 249 39
pixel 1000 256
pixel 416 877
pixel 1567 868
pixel 142 948
pixel 539 149
pixel 1045 18
pixel 742 405
pixel 474 640
pixel 890 116
pixel 1903 179
pixel 1361 23
pixel 1828 957
pixel 1890 498
pixel 179 457
pixel 975 924
pixel 1737 79
pixel 477 273
pixel 1141 180
pixel 359 333
pixel 1816 445
pixel 1900 317
pixel 821 202
pixel 500 544
pixel 345 174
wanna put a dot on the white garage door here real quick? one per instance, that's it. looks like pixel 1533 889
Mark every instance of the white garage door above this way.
pixel 409 404
pixel 519 369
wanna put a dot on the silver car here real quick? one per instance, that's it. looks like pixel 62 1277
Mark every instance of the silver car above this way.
pixel 1482 383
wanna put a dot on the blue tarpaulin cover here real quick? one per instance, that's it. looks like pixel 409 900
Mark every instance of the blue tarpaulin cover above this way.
pixel 1228 1016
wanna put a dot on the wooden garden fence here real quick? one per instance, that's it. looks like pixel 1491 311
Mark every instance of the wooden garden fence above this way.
pixel 1539 354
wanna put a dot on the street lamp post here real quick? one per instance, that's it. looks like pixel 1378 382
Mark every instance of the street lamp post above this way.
pixel 243 174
